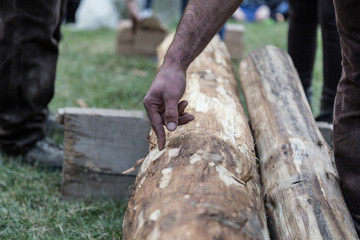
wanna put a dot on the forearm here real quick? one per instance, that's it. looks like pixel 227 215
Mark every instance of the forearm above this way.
pixel 132 8
pixel 201 20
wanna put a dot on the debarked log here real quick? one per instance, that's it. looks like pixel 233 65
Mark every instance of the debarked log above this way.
pixel 204 184
pixel 300 182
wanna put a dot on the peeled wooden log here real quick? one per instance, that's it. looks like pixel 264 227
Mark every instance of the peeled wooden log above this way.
pixel 301 185
pixel 204 184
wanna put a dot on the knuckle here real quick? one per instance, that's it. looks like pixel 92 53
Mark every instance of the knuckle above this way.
pixel 171 113
pixel 146 103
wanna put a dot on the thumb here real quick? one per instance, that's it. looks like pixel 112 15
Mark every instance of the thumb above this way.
pixel 171 115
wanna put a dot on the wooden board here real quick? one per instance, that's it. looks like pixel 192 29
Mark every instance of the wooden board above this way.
pixel 125 38
pixel 99 145
pixel 204 184
pixel 234 40
pixel 326 130
pixel 301 186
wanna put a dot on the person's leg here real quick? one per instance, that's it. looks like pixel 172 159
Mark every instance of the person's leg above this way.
pixel 347 106
pixel 148 4
pixel 183 5
pixel 262 13
pixel 281 12
pixel 71 9
pixel 331 58
pixel 28 55
pixel 302 39
pixel 249 11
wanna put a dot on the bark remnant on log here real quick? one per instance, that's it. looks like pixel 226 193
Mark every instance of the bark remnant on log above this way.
pixel 204 184
pixel 301 185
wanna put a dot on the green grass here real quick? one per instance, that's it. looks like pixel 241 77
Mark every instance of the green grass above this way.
pixel 89 70
pixel 30 208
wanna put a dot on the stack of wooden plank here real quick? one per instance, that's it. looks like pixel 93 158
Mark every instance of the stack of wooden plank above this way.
pixel 234 40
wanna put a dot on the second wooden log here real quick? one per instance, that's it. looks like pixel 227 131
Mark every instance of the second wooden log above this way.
pixel 301 185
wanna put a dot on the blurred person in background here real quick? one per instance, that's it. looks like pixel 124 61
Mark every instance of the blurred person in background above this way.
pixel 134 13
pixel 279 9
pixel 261 10
pixel 252 11
pixel 71 7
pixel 305 16
pixel 147 12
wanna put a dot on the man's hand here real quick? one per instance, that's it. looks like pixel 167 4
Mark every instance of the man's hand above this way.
pixel 162 102
pixel 199 23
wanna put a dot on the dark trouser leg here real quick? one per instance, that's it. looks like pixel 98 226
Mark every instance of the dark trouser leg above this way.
pixel 347 106
pixel 183 5
pixel 331 56
pixel 71 9
pixel 29 37
pixel 302 38
pixel 148 4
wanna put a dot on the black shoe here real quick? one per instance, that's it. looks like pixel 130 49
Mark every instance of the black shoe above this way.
pixel 45 154
pixel 52 125
pixel 325 116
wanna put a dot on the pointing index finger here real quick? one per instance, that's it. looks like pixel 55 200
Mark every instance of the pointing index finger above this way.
pixel 156 124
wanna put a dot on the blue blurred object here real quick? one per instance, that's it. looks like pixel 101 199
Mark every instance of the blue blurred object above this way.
pixel 148 4
pixel 249 11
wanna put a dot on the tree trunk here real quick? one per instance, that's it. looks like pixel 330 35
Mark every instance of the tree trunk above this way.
pixel 301 185
pixel 204 184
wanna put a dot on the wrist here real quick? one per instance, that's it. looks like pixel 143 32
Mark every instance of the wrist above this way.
pixel 177 58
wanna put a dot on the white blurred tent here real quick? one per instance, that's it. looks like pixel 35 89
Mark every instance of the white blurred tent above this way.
pixel 94 14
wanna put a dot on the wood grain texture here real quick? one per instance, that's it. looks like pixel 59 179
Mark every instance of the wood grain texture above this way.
pixel 100 144
pixel 301 185
pixel 204 184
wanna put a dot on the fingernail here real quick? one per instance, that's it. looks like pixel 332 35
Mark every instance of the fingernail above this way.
pixel 171 126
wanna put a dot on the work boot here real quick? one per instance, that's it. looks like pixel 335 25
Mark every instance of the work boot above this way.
pixel 327 106
pixel 45 154
pixel 325 116
pixel 51 123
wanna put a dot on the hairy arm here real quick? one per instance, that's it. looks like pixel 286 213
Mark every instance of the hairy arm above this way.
pixel 201 20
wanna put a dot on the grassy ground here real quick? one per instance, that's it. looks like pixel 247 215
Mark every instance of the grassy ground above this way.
pixel 89 70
